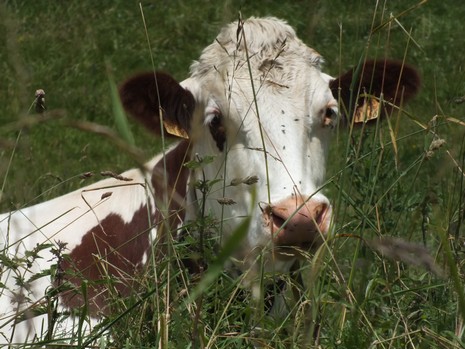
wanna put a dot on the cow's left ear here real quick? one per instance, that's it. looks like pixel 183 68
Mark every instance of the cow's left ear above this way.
pixel 146 96
pixel 359 90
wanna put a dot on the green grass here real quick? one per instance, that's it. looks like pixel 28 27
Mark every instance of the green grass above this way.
pixel 353 295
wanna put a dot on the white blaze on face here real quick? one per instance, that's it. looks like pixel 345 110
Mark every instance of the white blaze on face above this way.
pixel 276 126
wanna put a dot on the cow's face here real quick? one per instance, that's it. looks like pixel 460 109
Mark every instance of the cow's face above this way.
pixel 264 111
pixel 259 105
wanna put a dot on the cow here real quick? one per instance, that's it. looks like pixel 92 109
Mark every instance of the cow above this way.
pixel 254 121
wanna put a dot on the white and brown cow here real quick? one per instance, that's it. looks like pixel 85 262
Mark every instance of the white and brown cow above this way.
pixel 259 107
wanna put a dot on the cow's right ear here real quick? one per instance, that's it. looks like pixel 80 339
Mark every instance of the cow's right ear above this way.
pixel 146 96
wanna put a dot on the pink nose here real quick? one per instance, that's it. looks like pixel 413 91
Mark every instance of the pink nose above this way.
pixel 299 221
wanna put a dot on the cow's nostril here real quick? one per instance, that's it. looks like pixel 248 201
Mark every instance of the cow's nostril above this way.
pixel 320 213
pixel 278 221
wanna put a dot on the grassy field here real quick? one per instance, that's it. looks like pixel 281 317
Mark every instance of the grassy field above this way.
pixel 393 180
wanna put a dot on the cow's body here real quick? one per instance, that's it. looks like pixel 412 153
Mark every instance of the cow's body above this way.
pixel 257 102
pixel 77 219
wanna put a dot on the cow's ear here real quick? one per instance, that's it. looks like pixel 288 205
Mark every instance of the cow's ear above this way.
pixel 146 96
pixel 359 90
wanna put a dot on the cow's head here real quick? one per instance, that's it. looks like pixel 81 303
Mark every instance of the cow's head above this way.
pixel 258 102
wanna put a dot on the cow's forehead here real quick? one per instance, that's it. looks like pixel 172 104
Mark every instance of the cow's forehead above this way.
pixel 254 46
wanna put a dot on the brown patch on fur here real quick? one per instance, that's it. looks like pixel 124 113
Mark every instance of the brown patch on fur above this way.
pixel 112 248
pixel 398 82
pixel 170 194
pixel 175 193
pixel 145 94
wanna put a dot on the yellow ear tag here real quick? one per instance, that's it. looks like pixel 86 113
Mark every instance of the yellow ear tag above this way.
pixel 369 110
pixel 174 129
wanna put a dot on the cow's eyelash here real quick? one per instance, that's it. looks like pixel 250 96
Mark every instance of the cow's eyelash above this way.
pixel 213 117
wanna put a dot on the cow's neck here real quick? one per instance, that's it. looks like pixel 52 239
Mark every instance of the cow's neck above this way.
pixel 169 180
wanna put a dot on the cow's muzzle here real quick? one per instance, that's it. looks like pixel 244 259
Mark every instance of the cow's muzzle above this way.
pixel 298 223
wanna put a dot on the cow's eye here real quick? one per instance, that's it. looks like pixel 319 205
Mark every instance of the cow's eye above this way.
pixel 330 113
pixel 215 120
pixel 217 130
pixel 330 116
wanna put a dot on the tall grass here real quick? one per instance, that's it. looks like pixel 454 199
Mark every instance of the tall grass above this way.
pixel 391 274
